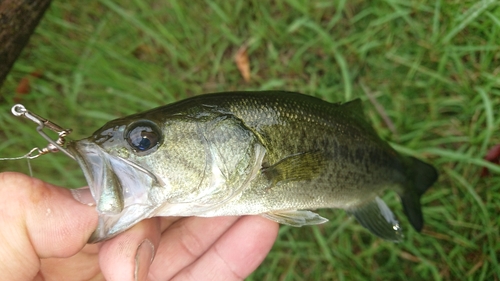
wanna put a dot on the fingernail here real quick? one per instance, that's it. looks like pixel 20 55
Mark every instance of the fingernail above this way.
pixel 143 259
pixel 83 195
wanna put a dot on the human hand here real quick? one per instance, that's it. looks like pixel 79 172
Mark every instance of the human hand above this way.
pixel 44 232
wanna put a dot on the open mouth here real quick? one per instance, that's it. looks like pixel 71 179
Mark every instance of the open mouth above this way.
pixel 120 188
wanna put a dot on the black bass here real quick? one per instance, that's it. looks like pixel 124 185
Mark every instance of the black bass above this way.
pixel 274 154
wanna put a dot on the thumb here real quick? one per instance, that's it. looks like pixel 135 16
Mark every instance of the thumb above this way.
pixel 39 220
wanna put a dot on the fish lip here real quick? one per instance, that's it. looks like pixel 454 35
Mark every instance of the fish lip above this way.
pixel 96 165
pixel 78 149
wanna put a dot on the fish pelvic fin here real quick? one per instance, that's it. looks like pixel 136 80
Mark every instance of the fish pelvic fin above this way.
pixel 376 216
pixel 295 218
pixel 421 176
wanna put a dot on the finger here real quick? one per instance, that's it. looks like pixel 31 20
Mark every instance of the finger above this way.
pixel 236 254
pixel 184 241
pixel 166 222
pixel 39 221
pixel 85 262
pixel 83 195
pixel 128 256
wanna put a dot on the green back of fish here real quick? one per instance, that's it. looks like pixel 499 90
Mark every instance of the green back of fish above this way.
pixel 287 123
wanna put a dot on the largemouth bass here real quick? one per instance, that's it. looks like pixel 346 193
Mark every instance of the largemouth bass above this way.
pixel 275 154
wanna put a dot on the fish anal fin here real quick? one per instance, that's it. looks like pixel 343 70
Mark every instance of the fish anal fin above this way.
pixel 295 218
pixel 379 219
pixel 302 166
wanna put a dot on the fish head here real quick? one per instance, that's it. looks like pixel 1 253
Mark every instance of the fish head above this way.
pixel 118 166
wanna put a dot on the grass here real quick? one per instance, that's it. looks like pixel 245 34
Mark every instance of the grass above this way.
pixel 433 66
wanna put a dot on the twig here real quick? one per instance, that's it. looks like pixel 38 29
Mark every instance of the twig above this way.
pixel 380 109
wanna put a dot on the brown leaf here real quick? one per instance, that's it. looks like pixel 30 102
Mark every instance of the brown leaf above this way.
pixel 24 86
pixel 493 156
pixel 408 256
pixel 243 63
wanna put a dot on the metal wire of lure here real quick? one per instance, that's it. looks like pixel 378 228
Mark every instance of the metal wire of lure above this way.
pixel 53 146
pixel 57 145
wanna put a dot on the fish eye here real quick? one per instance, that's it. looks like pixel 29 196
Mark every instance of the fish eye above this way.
pixel 143 135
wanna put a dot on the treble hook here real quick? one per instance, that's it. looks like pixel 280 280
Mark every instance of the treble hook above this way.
pixel 53 146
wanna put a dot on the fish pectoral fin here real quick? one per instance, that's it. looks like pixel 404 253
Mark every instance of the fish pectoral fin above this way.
pixel 379 219
pixel 295 218
pixel 302 166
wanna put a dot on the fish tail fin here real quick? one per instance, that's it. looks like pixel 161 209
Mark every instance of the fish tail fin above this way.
pixel 421 176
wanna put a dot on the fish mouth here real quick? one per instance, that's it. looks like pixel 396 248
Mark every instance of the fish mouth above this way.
pixel 119 187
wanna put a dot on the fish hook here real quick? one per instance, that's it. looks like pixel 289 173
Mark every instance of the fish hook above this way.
pixel 53 146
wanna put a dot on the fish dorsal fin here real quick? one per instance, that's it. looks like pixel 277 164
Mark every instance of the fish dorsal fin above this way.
pixel 379 219
pixel 354 108
pixel 355 105
pixel 302 166
pixel 295 218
